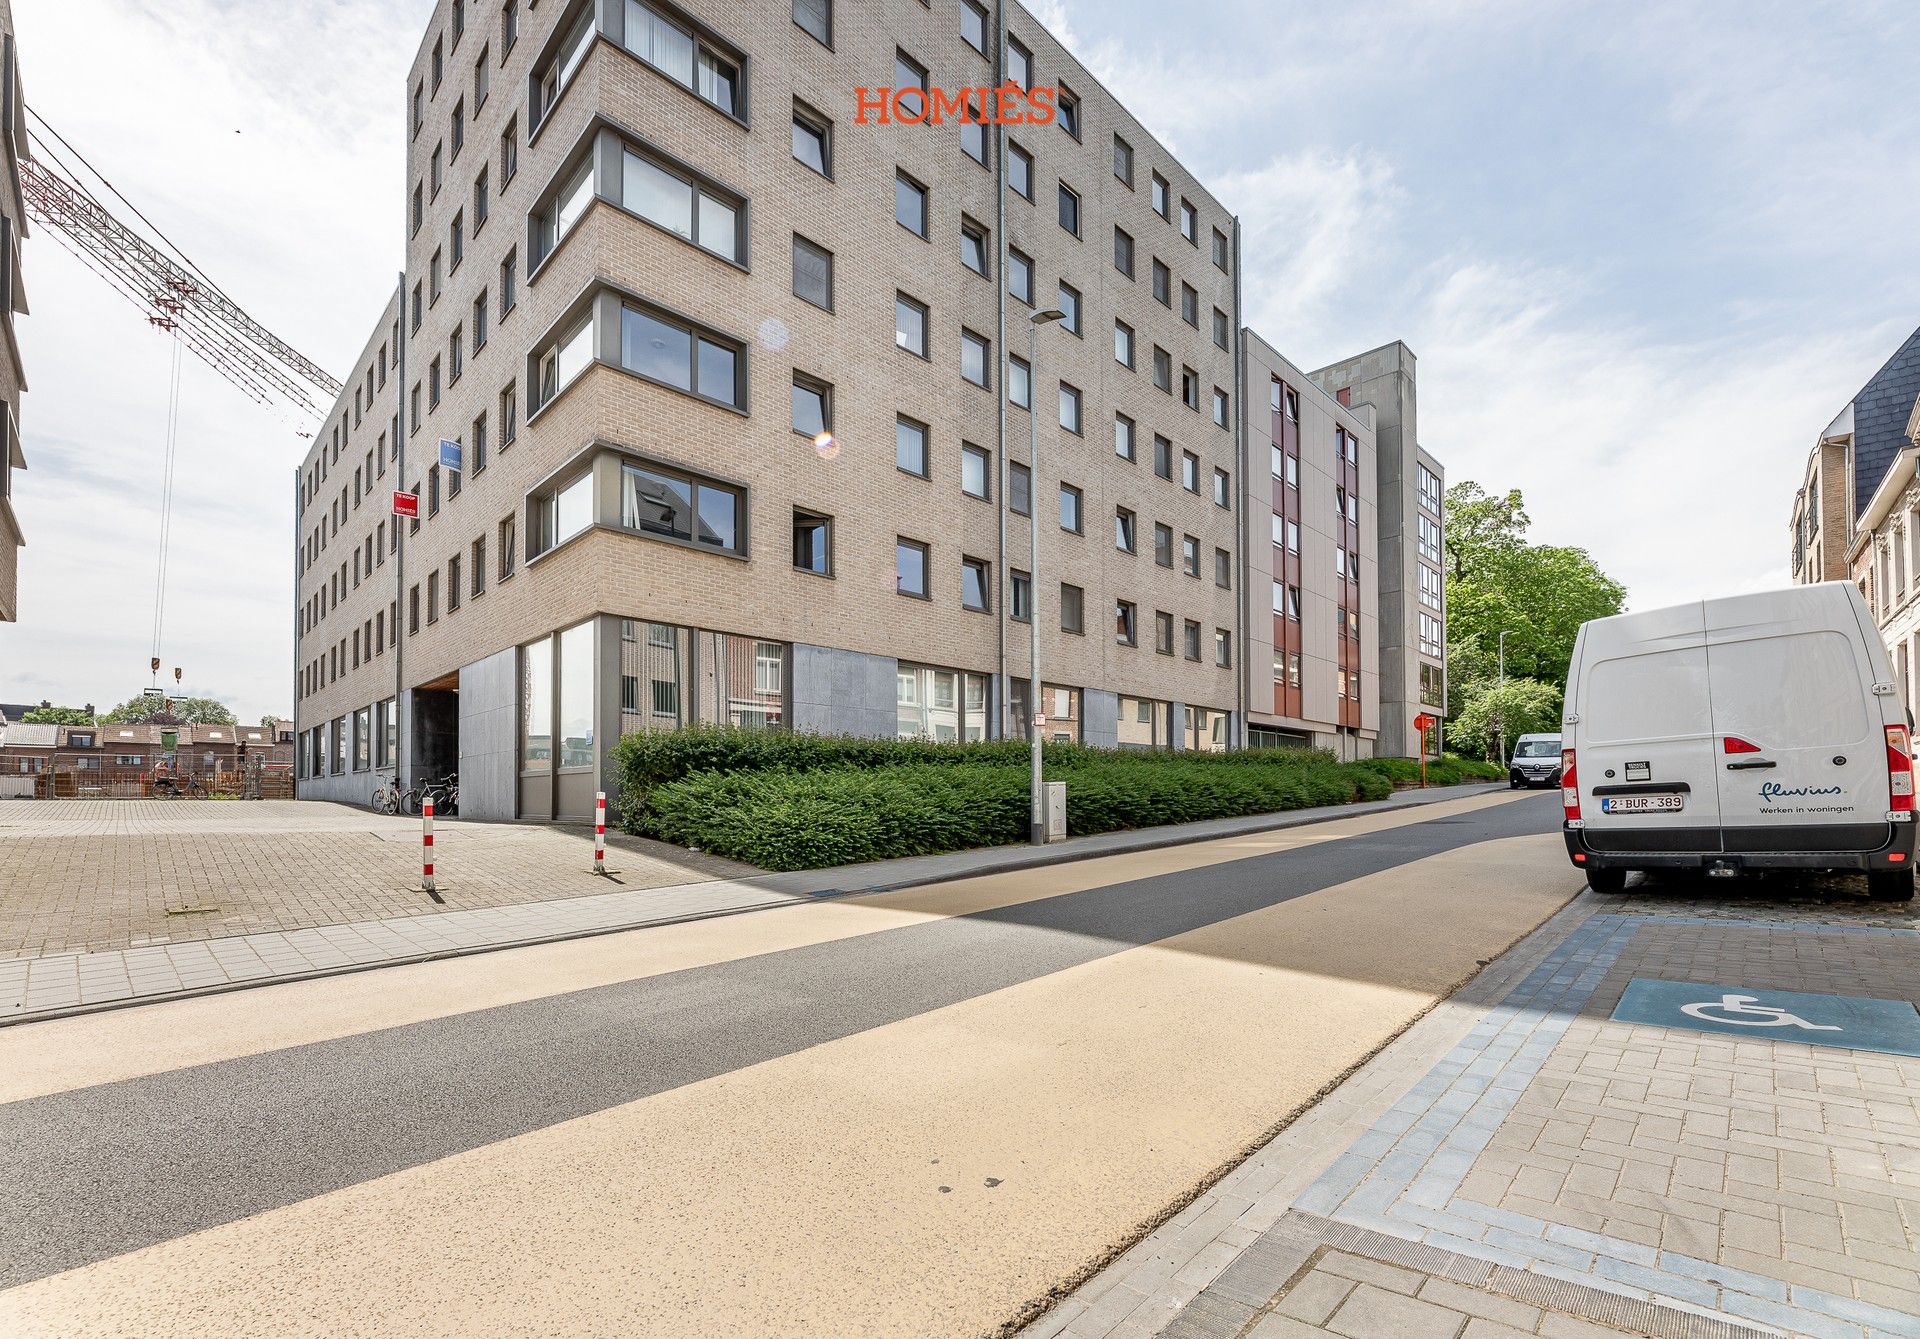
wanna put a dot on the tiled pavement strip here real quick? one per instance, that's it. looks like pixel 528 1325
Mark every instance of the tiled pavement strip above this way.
pixel 52 984
pixel 1560 1174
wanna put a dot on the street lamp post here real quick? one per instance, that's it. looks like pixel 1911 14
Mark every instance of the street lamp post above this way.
pixel 1500 714
pixel 1037 819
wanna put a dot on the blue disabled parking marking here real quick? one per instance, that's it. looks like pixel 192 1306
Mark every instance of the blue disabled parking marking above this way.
pixel 1853 1022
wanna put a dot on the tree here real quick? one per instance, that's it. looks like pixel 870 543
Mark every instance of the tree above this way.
pixel 1517 707
pixel 58 716
pixel 153 711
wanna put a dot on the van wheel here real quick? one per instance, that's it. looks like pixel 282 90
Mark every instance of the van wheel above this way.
pixel 1607 880
pixel 1891 885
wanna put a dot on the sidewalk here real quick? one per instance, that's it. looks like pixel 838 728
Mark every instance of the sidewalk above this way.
pixel 55 984
pixel 1522 1162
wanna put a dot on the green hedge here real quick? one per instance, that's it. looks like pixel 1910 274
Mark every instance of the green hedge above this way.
pixel 1447 770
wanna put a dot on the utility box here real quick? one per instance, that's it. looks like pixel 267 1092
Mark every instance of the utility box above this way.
pixel 1054 805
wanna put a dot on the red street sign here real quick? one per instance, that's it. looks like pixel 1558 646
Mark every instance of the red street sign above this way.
pixel 1422 721
pixel 405 504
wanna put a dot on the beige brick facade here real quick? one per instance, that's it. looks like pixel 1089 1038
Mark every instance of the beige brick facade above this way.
pixel 13 301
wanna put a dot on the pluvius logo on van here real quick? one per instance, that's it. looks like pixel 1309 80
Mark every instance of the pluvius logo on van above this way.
pixel 1007 105
pixel 1773 790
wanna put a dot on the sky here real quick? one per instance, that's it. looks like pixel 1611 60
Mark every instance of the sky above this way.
pixel 1644 253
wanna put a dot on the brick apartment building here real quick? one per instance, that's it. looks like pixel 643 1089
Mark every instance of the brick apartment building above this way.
pixel 629 228
pixel 13 301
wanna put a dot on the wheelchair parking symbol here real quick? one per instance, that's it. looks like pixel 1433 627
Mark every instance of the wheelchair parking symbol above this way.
pixel 1854 1022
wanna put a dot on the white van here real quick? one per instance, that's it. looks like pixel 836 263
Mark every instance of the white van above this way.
pixel 1535 761
pixel 1757 732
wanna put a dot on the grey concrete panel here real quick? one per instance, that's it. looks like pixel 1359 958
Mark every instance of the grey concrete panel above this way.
pixel 489 736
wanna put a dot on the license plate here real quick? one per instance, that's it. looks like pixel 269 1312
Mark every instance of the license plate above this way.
pixel 1642 804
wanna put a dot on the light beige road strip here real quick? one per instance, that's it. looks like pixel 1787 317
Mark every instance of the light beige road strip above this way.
pixel 62 1054
pixel 933 1176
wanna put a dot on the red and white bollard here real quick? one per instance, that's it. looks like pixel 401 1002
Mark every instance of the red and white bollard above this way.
pixel 600 832
pixel 426 845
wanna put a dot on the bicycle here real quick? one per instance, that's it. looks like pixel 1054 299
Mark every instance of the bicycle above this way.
pixel 386 797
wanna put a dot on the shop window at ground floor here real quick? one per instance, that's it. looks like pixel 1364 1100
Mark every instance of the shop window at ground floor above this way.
pixel 671 676
pixel 1144 723
pixel 939 704
pixel 1206 730
pixel 1061 705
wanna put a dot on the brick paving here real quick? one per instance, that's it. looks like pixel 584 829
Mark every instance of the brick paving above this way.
pixel 1526 1164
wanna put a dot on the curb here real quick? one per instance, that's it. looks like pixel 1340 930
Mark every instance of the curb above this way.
pixel 1067 852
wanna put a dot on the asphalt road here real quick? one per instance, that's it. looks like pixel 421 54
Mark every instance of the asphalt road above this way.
pixel 158 1160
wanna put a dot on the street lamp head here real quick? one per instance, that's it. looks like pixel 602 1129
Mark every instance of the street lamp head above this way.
pixel 1050 314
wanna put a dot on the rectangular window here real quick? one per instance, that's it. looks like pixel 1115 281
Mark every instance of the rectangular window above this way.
pixel 1019 383
pixel 689 61
pixel 1220 249
pixel 910 446
pixel 812 273
pixel 1070 408
pixel 1123 161
pixel 1019 596
pixel 509 151
pixel 1221 332
pixel 1162 369
pixel 815 18
pixel 1123 251
pixel 1161 201
pixel 910 204
pixel 696 213
pixel 1189 222
pixel 1072 609
pixel 1020 276
pixel 1222 648
pixel 1019 63
pixel 476 461
pixel 506 547
pixel 1126 623
pixel 676 355
pixel 1019 489
pixel 910 325
pixel 1163 544
pixel 1190 305
pixel 658 502
pixel 477 565
pixel 1123 530
pixel 812 139
pixel 812 542
pixel 909 73
pixel 454 589
pixel 1070 499
pixel 974 25
pixel 1162 457
pixel 812 407
pixel 1123 344
pixel 1190 636
pixel 1163 632
pixel 1221 407
pixel 1190 471
pixel 976 471
pixel 509 415
pixel 974 247
pixel 1162 283
pixel 976 585
pixel 910 562
pixel 1020 169
pixel 479 321
pixel 1190 555
pixel 1223 569
pixel 1068 112
pixel 508 293
pixel 1069 209
pixel 976 357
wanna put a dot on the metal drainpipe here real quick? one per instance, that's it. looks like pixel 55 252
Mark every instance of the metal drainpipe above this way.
pixel 400 741
pixel 1004 684
pixel 1240 510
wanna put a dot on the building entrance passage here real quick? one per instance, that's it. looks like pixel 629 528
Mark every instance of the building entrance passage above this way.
pixel 1853 1022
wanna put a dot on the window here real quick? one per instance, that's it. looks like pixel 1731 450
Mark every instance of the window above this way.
pixel 477 448
pixel 1190 471
pixel 458 131
pixel 433 384
pixel 1068 112
pixel 976 471
pixel 1020 276
pixel 1191 639
pixel 1163 369
pixel 1189 223
pixel 1429 635
pixel 812 139
pixel 456 360
pixel 812 406
pixel 1220 249
pixel 1163 544
pixel 1123 251
pixel 1429 587
pixel 1019 383
pixel 910 325
pixel 1190 555
pixel 1019 169
pixel 976 584
pixel 1429 539
pixel 1072 609
pixel 973 141
pixel 1123 160
pixel 910 568
pixel 1070 408
pixel 1069 209
pixel 482 80
pixel 1429 484
pixel 909 73
pixel 1123 437
pixel 1123 343
pixel 435 172
pixel 509 151
pixel 419 208
pixel 1221 332
pixel 666 198
pixel 1221 407
pixel 1190 305
pixel 1190 388
pixel 1069 305
pixel 506 548
pixel 509 415
pixel 479 321
pixel 1123 530
pixel 1019 489
pixel 433 597
pixel 974 247
pixel 690 62
pixel 1019 596
pixel 433 278
pixel 812 273
pixel 1162 457
pixel 1161 203
pixel 509 293
pixel 554 220
pixel 910 204
pixel 973 24
pixel 1162 283
pixel 1222 648
pixel 1019 63
pixel 812 542
pixel 1126 619
pixel 1163 632
pixel 676 355
pixel 815 17
pixel 1223 569
pixel 976 356
pixel 657 501
pixel 454 589
pixel 1070 499
pixel 910 446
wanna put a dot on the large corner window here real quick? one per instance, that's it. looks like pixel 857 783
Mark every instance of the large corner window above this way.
pixel 689 61
pixel 675 676
pixel 695 212
pixel 663 350
pixel 559 515
pixel 564 359
pixel 942 704
pixel 552 78
pixel 658 502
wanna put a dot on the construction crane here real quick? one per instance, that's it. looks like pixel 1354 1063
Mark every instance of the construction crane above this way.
pixel 178 298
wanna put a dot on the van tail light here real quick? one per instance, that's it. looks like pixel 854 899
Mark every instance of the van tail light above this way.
pixel 1570 787
pixel 1735 744
pixel 1900 768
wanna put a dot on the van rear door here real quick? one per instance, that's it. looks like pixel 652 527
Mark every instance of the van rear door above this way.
pixel 1802 762
pixel 1642 724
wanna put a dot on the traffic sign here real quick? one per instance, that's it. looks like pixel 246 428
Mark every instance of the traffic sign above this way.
pixel 449 455
pixel 405 504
